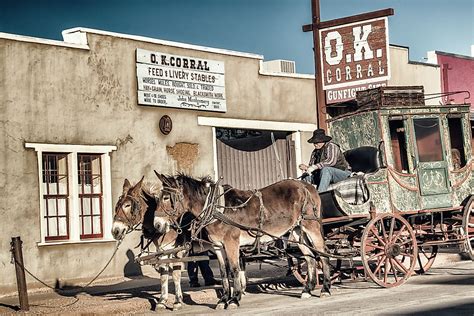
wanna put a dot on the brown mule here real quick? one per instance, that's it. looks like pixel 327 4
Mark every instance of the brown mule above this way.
pixel 137 206
pixel 286 206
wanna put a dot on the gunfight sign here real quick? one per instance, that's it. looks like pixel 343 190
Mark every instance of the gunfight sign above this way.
pixel 180 82
pixel 354 57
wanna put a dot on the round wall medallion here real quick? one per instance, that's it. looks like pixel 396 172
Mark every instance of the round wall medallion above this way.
pixel 166 125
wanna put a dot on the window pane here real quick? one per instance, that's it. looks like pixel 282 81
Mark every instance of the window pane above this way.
pixel 87 230
pixel 96 206
pixel 86 206
pixel 63 226
pixel 97 228
pixel 62 207
pixel 53 229
pixel 428 139
pixel 51 207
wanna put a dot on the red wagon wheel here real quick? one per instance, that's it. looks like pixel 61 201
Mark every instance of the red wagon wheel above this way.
pixel 468 227
pixel 299 269
pixel 389 250
pixel 426 257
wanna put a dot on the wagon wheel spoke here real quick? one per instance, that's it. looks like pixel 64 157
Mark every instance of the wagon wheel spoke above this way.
pixel 400 265
pixel 376 236
pixel 393 270
pixel 408 241
pixel 376 255
pixel 377 269
pixel 385 272
pixel 392 226
pixel 397 235
pixel 376 246
pixel 384 233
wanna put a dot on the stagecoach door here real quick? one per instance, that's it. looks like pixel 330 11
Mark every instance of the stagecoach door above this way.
pixel 430 162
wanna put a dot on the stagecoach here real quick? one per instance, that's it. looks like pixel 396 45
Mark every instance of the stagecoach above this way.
pixel 413 188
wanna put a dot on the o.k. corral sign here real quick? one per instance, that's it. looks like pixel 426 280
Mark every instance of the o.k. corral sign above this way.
pixel 180 82
pixel 355 57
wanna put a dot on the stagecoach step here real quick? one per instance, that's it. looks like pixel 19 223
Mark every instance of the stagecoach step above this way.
pixel 158 261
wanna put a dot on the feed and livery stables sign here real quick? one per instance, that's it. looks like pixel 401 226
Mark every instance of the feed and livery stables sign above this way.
pixel 355 57
pixel 180 82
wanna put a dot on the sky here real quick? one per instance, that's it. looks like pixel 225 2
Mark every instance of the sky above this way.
pixel 271 28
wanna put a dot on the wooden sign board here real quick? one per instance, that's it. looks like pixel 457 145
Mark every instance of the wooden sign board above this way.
pixel 354 55
pixel 180 82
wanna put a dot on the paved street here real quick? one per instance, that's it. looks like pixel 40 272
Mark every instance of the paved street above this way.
pixel 448 289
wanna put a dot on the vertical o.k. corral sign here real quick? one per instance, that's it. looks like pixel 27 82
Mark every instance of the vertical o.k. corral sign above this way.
pixel 354 57
pixel 180 82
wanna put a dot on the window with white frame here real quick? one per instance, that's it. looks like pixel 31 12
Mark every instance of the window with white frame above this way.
pixel 75 192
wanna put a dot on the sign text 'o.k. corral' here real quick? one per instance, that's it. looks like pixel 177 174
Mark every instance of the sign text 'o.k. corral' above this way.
pixel 355 57
pixel 180 82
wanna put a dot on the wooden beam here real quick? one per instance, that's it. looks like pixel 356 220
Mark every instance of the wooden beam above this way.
pixel 356 18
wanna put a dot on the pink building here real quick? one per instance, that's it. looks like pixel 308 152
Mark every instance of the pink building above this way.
pixel 457 74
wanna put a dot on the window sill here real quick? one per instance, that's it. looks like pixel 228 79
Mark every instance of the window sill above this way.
pixel 72 242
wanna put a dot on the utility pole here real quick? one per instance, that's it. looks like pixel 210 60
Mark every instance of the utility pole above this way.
pixel 320 97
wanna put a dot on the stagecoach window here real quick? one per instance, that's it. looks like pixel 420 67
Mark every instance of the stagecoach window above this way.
pixel 456 136
pixel 398 143
pixel 75 192
pixel 428 139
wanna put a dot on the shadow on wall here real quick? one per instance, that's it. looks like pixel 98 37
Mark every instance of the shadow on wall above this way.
pixel 132 268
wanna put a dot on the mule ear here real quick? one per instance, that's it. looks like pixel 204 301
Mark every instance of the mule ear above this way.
pixel 126 186
pixel 138 186
pixel 162 178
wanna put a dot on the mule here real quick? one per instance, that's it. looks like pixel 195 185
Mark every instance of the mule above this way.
pixel 137 206
pixel 288 206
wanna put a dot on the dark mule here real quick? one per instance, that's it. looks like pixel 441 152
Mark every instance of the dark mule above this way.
pixel 286 206
pixel 137 206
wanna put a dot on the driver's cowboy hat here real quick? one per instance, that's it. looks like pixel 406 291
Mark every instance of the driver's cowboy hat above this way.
pixel 319 136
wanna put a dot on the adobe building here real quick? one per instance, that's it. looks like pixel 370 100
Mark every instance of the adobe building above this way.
pixel 81 115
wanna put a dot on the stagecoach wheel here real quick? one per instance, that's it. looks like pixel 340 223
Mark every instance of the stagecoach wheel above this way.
pixel 299 268
pixel 468 227
pixel 389 250
pixel 426 257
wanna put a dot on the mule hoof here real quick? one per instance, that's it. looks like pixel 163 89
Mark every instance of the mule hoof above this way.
pixel 160 306
pixel 232 306
pixel 177 306
pixel 305 295
pixel 220 306
pixel 324 294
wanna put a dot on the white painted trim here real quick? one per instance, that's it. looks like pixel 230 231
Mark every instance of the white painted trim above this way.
pixel 107 197
pixel 71 148
pixel 298 154
pixel 214 154
pixel 66 35
pixel 74 222
pixel 69 242
pixel 254 124
pixel 36 40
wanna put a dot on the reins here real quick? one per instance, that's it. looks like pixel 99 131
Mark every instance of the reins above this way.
pixel 210 213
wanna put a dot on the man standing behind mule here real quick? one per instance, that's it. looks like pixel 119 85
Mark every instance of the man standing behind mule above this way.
pixel 327 163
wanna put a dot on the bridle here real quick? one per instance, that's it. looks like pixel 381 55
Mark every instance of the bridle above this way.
pixel 177 198
pixel 130 220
